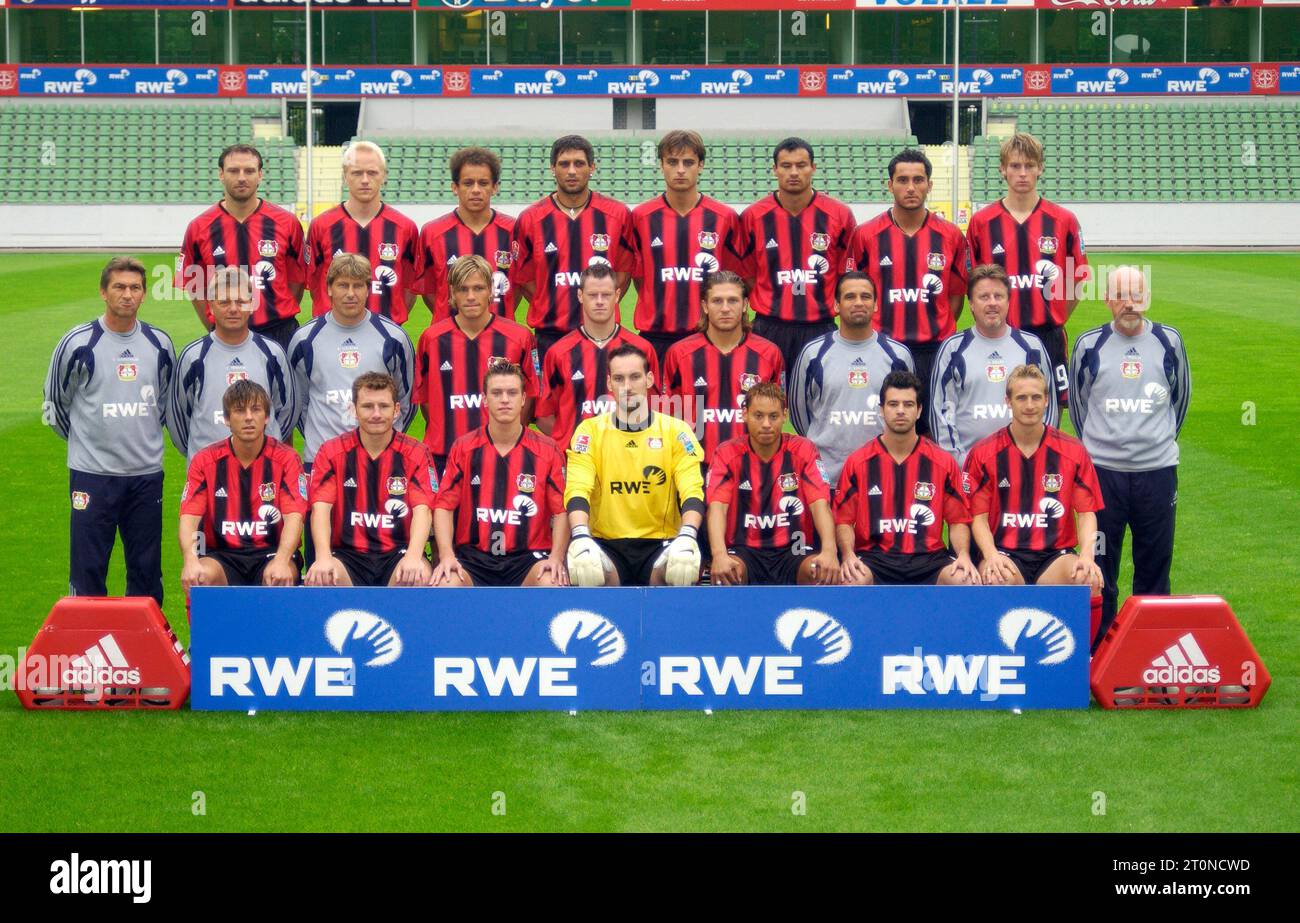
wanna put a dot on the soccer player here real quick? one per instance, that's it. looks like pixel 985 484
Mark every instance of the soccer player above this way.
pixel 681 236
pixel 367 226
pixel 766 493
pixel 1028 481
pixel 498 519
pixel 634 493
pixel 106 394
pixel 371 493
pixel 246 231
pixel 1129 390
pixel 559 236
pixel 454 354
pixel 330 351
pixel 834 397
pixel 244 501
pixel 969 381
pixel 575 371
pixel 894 496
pixel 918 262
pixel 473 227
pixel 230 353
pixel 795 242
pixel 709 372
pixel 1039 244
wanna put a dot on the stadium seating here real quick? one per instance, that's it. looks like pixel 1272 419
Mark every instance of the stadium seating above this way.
pixel 1153 152
pixel 87 154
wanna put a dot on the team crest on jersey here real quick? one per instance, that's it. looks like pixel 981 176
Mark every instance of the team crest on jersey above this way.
pixel 81 499
pixel 503 259
pixel 127 371
pixel 788 482
pixel 748 380
pixel 936 261
pixel 582 443
pixel 1051 482
pixel 396 486
pixel 819 241
pixel 1047 245
pixel 923 491
pixel 526 483
pixel 266 491
pixel 654 442
pixel 599 241
pixel 858 378
pixel 996 372
pixel 388 252
pixel 1131 368
pixel 235 374
pixel 708 239
pixel 267 249
pixel 302 485
pixel 349 358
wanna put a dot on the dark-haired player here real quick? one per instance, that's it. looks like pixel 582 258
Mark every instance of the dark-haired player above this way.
pixel 473 227
pixel 1028 481
pixel 894 496
pixel 244 501
pixel 766 495
pixel 681 236
pixel 795 242
pixel 371 493
pixel 559 236
pixel 918 262
pixel 498 519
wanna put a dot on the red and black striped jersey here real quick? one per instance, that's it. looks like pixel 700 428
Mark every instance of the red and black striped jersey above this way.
pixel 575 380
pixel 503 503
pixel 268 244
pixel 919 278
pixel 449 370
pixel 446 239
pixel 243 508
pixel 711 384
pixel 900 507
pixel 768 501
pixel 795 260
pixel 1031 501
pixel 674 253
pixel 1044 257
pixel 389 240
pixel 551 250
pixel 372 498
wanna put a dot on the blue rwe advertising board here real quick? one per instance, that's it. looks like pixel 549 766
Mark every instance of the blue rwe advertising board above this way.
pixel 626 649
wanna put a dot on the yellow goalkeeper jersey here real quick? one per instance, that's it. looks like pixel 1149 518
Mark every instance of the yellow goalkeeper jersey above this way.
pixel 635 482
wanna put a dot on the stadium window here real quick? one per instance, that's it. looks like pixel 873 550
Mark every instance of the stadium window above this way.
pixel 748 37
pixel 192 36
pixel 815 37
pixel 124 37
pixel 360 37
pixel 899 38
pixel 997 37
pixel 1148 35
pixel 1281 34
pixel 45 36
pixel 452 38
pixel 671 37
pixel 1220 34
pixel 524 37
pixel 277 37
pixel 596 36
pixel 1074 36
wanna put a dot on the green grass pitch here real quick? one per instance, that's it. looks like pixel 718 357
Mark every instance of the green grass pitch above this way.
pixel 874 771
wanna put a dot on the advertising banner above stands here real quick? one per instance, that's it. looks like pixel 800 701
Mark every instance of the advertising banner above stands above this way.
pixel 374 82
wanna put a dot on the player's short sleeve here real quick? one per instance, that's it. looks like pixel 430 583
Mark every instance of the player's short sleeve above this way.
pixel 687 456
pixel 974 240
pixel 293 483
pixel 532 383
pixel 1077 252
pixel 410 278
pixel 672 383
pixel 194 495
pixel 847 494
pixel 721 482
pixel 451 487
pixel 419 390
pixel 324 481
pixel 550 384
pixel 977 484
pixel 189 267
pixel 522 269
pixel 959 271
pixel 747 252
pixel 955 507
pixel 554 482
pixel 812 475
pixel 625 259
pixel 580 470
pixel 855 257
pixel 1085 495
pixel 295 256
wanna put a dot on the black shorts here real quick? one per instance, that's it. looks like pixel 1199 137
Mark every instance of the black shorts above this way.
pixel 281 331
pixel 923 356
pixel 769 566
pixel 369 569
pixel 1031 564
pixel 487 569
pixel 922 568
pixel 1054 340
pixel 634 558
pixel 245 568
pixel 790 337
pixel 439 464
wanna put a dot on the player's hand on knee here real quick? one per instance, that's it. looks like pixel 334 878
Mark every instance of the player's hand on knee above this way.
pixel 853 571
pixel 585 560
pixel 964 573
pixel 278 573
pixel 826 568
pixel 682 559
pixel 724 570
pixel 321 572
pixel 1087 573
pixel 411 571
pixel 191 575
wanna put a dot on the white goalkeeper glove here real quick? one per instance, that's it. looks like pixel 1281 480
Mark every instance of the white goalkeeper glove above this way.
pixel 585 560
pixel 682 559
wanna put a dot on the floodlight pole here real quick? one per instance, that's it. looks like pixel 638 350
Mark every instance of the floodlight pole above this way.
pixel 956 107
pixel 310 122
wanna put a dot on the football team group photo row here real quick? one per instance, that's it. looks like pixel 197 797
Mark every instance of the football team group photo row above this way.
pixel 792 401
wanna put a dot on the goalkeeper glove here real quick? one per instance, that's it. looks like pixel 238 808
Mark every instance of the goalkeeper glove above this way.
pixel 585 560
pixel 682 559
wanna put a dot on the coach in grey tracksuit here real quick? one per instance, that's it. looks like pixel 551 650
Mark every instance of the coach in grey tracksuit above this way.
pixel 835 383
pixel 1129 390
pixel 106 394
pixel 968 388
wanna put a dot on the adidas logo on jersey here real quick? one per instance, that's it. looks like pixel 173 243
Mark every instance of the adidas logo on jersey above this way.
pixel 995 356
pixel 771 244
pixel 550 248
pixel 220 251
pixel 998 249
pixel 1182 662
pixel 578 376
pixel 474 481
pixel 348 344
pixel 745 485
pixel 338 252
pixel 656 242
pixel 631 444
pixel 445 367
pixel 701 383
pixel 1004 483
pixel 221 492
pixel 857 361
pixel 886 261
pixel 874 491
pixel 350 482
